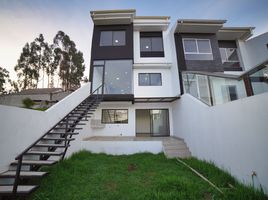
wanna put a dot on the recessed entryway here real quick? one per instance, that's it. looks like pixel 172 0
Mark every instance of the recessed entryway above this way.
pixel 152 122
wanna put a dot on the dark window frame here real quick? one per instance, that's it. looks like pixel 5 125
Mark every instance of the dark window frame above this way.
pixel 103 122
pixel 149 79
pixel 150 35
pixel 119 30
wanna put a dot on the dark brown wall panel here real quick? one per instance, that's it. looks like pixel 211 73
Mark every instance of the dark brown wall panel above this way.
pixel 214 65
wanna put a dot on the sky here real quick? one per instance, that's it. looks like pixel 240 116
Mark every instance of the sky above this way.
pixel 22 21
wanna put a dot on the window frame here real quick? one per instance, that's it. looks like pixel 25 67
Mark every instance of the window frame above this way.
pixel 150 36
pixel 196 43
pixel 102 121
pixel 225 51
pixel 125 42
pixel 149 79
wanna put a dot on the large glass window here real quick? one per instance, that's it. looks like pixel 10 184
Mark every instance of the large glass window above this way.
pixel 197 49
pixel 112 116
pixel 113 38
pixel 259 81
pixel 229 55
pixel 151 44
pixel 115 74
pixel 150 79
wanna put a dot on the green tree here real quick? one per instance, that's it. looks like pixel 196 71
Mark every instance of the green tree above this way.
pixel 71 63
pixel 41 55
pixel 4 78
pixel 26 68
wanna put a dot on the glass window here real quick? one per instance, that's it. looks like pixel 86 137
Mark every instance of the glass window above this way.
pixel 259 81
pixel 113 38
pixel 106 38
pixel 155 79
pixel 203 46
pixel 145 44
pixel 157 44
pixel 112 116
pixel 150 79
pixel 118 77
pixel 97 77
pixel 119 38
pixel 151 42
pixel 197 49
pixel 190 46
pixel 144 79
pixel 229 55
pixel 232 92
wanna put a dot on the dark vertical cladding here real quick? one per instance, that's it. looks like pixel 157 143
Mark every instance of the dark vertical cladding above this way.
pixel 111 52
pixel 214 65
pixel 180 58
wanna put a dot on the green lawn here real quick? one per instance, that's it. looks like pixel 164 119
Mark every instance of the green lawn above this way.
pixel 87 176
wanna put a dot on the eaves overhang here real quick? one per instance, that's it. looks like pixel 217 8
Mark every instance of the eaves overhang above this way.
pixel 235 33
pixel 151 23
pixel 198 25
pixel 113 17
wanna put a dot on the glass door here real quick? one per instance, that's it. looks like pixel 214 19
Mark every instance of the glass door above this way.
pixel 159 122
pixel 152 122
pixel 97 77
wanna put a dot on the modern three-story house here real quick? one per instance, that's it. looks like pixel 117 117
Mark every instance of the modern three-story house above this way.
pixel 132 57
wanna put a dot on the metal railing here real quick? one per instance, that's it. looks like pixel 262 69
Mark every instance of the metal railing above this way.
pixel 219 88
pixel 97 94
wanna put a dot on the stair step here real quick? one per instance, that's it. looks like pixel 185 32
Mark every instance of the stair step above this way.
pixel 72 128
pixel 62 133
pixel 170 147
pixel 51 145
pixel 50 153
pixel 21 189
pixel 61 139
pixel 23 174
pixel 81 120
pixel 35 162
pixel 72 124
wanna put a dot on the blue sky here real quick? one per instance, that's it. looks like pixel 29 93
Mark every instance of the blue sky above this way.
pixel 22 20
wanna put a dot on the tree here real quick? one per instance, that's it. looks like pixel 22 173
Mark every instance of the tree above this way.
pixel 26 69
pixel 42 56
pixel 4 78
pixel 71 67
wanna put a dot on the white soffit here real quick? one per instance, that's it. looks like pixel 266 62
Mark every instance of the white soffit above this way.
pixel 152 65
pixel 113 17
pixel 235 33
pixel 198 26
pixel 151 23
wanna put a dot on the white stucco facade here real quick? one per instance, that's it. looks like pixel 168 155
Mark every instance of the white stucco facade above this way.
pixel 232 135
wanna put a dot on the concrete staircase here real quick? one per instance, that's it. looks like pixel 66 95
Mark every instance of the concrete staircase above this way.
pixel 175 148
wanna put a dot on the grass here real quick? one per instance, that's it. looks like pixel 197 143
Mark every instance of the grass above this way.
pixel 87 176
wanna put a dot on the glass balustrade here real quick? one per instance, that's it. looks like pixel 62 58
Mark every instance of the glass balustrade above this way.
pixel 215 89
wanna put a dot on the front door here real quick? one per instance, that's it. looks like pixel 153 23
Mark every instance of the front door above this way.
pixel 152 122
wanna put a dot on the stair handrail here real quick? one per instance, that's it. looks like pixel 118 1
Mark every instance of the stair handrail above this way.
pixel 20 156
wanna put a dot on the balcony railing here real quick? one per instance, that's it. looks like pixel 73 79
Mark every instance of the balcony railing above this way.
pixel 215 88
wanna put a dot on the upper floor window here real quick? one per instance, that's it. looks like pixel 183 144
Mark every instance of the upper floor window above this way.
pixel 197 49
pixel 113 38
pixel 229 55
pixel 150 79
pixel 151 44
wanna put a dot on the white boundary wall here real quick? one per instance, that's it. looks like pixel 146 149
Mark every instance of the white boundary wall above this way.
pixel 20 127
pixel 233 135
